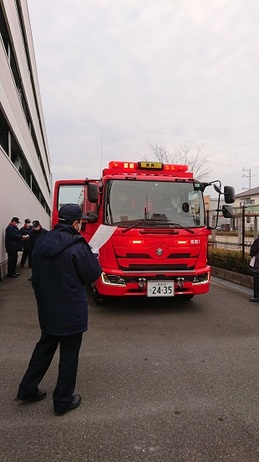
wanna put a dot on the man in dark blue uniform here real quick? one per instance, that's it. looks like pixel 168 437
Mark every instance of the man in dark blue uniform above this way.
pixel 254 253
pixel 36 232
pixel 13 244
pixel 62 265
pixel 24 230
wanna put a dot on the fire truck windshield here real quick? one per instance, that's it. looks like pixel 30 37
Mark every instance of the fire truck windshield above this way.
pixel 153 203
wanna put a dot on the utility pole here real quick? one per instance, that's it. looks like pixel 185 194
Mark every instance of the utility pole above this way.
pixel 248 175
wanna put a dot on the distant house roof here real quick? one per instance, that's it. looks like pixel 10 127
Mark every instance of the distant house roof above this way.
pixel 249 192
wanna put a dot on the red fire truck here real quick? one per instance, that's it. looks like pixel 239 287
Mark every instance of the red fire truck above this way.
pixel 147 223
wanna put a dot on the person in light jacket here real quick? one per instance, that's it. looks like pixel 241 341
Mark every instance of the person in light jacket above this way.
pixel 62 265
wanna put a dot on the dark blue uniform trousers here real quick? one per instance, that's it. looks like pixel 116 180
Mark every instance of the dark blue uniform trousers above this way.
pixel 256 285
pixel 12 263
pixel 42 356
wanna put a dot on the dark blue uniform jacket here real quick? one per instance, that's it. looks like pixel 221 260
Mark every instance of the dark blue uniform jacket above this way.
pixel 62 264
pixel 254 248
pixel 26 243
pixel 13 239
pixel 36 234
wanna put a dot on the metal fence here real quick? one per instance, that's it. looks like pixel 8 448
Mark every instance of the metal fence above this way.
pixel 236 233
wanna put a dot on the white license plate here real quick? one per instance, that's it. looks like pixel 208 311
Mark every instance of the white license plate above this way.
pixel 160 288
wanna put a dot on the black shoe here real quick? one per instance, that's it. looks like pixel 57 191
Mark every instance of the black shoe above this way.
pixel 253 299
pixel 11 276
pixel 29 279
pixel 75 403
pixel 38 396
pixel 17 274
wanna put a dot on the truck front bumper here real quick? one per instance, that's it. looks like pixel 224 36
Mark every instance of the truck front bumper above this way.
pixel 130 283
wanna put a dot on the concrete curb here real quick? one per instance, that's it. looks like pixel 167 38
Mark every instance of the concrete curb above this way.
pixel 238 278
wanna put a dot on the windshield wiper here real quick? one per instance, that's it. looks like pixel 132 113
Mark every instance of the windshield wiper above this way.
pixel 157 223
pixel 180 226
pixel 143 220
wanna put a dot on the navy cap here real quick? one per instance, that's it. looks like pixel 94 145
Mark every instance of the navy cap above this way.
pixel 71 212
pixel 16 219
pixel 27 220
pixel 35 223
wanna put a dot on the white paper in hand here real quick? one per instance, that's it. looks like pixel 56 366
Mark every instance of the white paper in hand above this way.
pixel 101 236
pixel 252 262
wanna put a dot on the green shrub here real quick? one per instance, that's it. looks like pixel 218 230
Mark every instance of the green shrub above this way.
pixel 229 259
pixel 248 233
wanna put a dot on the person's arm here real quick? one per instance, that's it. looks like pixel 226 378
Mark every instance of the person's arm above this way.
pixel 254 248
pixel 86 263
pixel 13 234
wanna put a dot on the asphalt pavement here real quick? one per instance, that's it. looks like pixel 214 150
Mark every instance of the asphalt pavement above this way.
pixel 160 381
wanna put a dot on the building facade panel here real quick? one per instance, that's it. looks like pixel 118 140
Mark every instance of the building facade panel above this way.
pixel 17 199
pixel 25 175
pixel 12 108
pixel 24 46
pixel 26 82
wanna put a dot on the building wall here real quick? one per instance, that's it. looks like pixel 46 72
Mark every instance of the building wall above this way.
pixel 25 175
pixel 252 199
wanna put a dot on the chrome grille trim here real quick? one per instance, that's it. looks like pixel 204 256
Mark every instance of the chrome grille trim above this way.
pixel 187 272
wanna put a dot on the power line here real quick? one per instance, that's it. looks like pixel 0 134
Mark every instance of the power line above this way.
pixel 248 175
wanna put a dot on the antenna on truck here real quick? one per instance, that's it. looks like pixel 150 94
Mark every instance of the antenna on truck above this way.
pixel 101 152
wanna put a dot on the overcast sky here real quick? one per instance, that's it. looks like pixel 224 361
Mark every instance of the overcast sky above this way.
pixel 118 74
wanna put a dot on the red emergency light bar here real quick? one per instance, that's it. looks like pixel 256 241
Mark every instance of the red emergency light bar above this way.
pixel 137 166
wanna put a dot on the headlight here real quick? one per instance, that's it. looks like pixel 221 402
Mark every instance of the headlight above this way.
pixel 113 279
pixel 200 278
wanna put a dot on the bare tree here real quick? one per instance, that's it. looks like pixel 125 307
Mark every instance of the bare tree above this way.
pixel 185 154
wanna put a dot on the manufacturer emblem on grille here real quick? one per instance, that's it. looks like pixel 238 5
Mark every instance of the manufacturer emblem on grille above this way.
pixel 159 251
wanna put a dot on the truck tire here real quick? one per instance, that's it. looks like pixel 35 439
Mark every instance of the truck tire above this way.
pixel 187 296
pixel 98 299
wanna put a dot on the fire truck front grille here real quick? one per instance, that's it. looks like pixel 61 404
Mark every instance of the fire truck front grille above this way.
pixel 145 262
pixel 138 255
pixel 163 267
pixel 158 276
pixel 146 256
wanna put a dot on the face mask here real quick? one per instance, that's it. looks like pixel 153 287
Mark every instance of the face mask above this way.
pixel 78 226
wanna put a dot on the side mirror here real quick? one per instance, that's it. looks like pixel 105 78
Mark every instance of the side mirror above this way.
pixel 227 211
pixel 217 189
pixel 83 226
pixel 229 194
pixel 92 192
pixel 92 217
